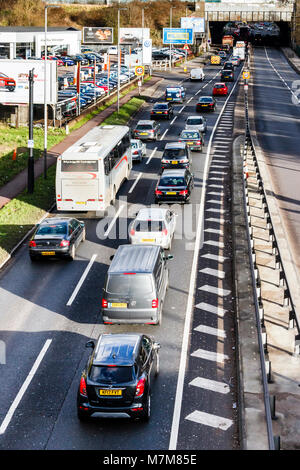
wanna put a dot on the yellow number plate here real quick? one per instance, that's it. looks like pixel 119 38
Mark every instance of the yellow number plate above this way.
pixel 48 253
pixel 143 133
pixel 80 202
pixel 148 239
pixel 105 392
pixel 158 112
pixel 174 162
pixel 171 192
pixel 118 305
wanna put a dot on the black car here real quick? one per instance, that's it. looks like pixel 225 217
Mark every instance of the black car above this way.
pixel 175 155
pixel 174 186
pixel 227 75
pixel 206 103
pixel 56 237
pixel 159 55
pixel 117 378
pixel 161 110
pixel 228 65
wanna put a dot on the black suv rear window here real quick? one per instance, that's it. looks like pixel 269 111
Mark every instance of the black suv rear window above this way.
pixel 111 375
pixel 160 106
pixel 174 153
pixel 172 181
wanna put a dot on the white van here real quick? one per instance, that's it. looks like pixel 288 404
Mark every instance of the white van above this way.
pixel 197 74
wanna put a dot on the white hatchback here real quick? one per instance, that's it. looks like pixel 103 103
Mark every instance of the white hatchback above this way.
pixel 154 226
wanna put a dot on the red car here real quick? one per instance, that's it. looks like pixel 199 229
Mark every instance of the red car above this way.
pixel 220 89
pixel 6 82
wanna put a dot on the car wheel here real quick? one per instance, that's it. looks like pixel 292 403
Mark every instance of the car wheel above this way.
pixel 156 364
pixel 146 409
pixel 72 252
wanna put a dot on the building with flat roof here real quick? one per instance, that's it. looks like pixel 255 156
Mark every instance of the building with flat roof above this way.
pixel 29 41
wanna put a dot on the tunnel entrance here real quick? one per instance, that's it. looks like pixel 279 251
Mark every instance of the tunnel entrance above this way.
pixel 261 37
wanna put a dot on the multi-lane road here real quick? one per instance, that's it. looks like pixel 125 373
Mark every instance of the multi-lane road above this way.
pixel 45 326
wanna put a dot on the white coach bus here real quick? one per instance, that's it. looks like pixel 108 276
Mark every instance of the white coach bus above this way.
pixel 90 172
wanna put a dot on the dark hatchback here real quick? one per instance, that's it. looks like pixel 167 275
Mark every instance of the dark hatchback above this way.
pixel 206 103
pixel 175 155
pixel 227 75
pixel 162 110
pixel 174 186
pixel 118 376
pixel 56 237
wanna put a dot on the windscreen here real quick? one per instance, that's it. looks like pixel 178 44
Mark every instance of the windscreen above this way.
pixel 75 166
pixel 205 100
pixel 160 106
pixel 173 153
pixel 57 229
pixel 141 127
pixel 172 181
pixel 194 121
pixel 149 225
pixel 190 135
pixel 133 285
pixel 111 375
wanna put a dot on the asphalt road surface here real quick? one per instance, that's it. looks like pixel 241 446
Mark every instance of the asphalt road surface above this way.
pixel 193 407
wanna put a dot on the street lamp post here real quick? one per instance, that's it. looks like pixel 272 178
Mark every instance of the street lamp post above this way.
pixel 45 92
pixel 170 60
pixel 119 60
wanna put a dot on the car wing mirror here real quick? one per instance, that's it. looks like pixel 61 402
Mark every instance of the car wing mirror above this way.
pixel 156 346
pixel 168 257
pixel 90 344
pixel 111 257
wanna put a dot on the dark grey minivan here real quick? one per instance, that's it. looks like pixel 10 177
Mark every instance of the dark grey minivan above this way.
pixel 135 285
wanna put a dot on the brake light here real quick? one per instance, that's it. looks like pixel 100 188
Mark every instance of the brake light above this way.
pixel 32 243
pixel 165 112
pixel 155 303
pixel 64 243
pixel 151 130
pixel 132 232
pixel 104 303
pixel 135 152
pixel 198 142
pixel 165 231
pixel 157 192
pixel 140 388
pixel 179 141
pixel 82 387
pixel 184 192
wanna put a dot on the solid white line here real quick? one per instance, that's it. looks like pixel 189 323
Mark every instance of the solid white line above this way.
pixel 135 183
pixel 162 137
pixel 211 331
pixel 210 420
pixel 24 387
pixel 189 309
pixel 152 153
pixel 113 220
pixel 212 385
pixel 81 280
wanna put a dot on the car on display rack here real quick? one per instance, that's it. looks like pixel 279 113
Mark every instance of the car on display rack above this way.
pixel 158 55
pixel 118 376
pixel 112 50
pixel 7 82
pixel 192 138
pixel 175 155
pixel 138 150
pixel 174 186
pixel 153 225
pixel 162 110
pixel 147 130
pixel 196 122
pixel 67 61
pixel 206 103
pixel 227 75
pixel 56 237
pixel 220 89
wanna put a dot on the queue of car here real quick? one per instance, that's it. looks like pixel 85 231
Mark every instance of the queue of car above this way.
pixel 119 372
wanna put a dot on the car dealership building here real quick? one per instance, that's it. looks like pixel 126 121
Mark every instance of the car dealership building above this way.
pixel 26 41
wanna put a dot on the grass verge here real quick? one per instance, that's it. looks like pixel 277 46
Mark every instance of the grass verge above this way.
pixel 21 214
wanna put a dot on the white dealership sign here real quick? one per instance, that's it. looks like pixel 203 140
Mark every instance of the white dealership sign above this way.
pixel 14 84
pixel 147 51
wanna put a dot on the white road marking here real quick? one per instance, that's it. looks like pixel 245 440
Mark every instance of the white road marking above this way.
pixel 213 385
pixel 135 183
pixel 151 155
pixel 181 109
pixel 113 220
pixel 173 119
pixel 211 331
pixel 81 280
pixel 210 420
pixel 213 272
pixel 162 137
pixel 24 387
pixel 210 355
pixel 218 258
pixel 213 243
pixel 215 290
pixel 211 309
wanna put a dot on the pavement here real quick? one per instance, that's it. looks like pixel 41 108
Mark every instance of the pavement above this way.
pixel 19 183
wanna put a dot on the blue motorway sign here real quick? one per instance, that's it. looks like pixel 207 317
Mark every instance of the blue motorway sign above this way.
pixel 178 35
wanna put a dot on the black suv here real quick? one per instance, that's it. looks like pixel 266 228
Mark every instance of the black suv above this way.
pixel 227 75
pixel 118 376
pixel 174 186
pixel 176 155
pixel 161 110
